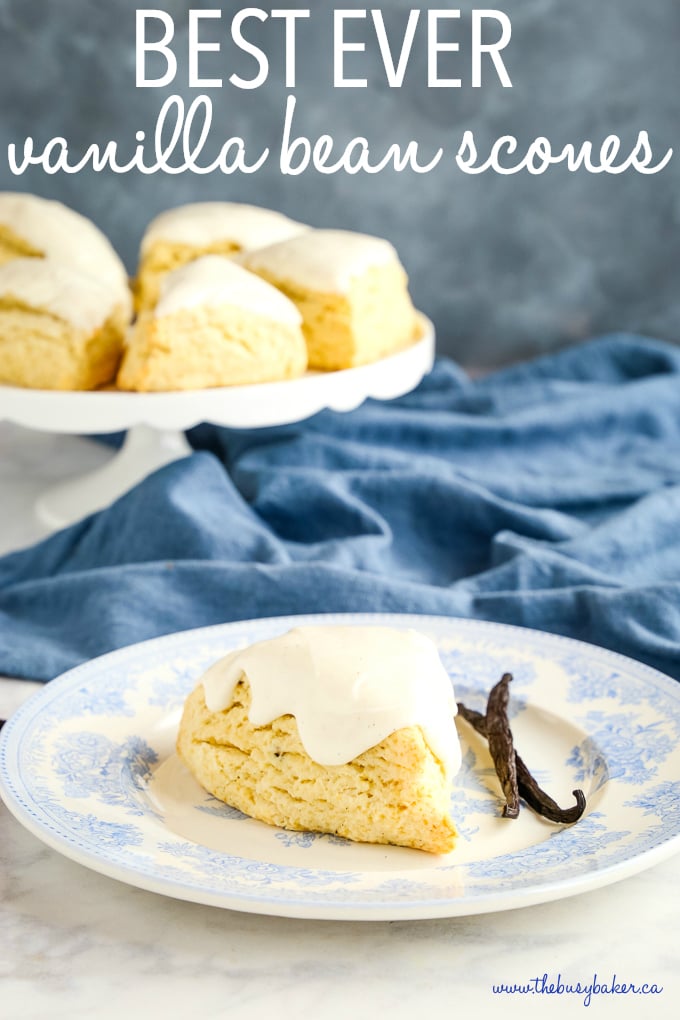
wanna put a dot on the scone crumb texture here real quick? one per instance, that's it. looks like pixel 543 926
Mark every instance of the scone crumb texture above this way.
pixel 347 730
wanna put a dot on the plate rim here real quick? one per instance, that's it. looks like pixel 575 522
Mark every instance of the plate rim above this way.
pixel 328 909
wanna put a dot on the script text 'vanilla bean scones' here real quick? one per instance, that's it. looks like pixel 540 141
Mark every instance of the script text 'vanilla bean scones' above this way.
pixel 351 290
pixel 337 729
pixel 59 329
pixel 187 232
pixel 33 227
pixel 215 324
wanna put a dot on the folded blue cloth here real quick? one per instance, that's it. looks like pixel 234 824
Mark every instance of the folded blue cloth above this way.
pixel 546 495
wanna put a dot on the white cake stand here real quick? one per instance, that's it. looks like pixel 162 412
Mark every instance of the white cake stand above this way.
pixel 155 422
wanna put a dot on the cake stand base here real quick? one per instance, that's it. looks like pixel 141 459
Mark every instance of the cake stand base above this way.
pixel 145 450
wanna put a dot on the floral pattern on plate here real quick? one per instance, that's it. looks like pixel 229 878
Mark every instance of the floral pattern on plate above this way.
pixel 88 766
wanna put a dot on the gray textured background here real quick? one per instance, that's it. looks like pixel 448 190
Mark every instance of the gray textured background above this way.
pixel 507 266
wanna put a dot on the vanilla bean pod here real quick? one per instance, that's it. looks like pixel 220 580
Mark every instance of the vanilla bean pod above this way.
pixel 536 798
pixel 499 736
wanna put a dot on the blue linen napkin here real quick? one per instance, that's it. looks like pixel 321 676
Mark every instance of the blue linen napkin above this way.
pixel 545 495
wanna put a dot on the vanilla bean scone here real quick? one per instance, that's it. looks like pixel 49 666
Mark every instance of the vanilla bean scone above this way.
pixel 351 290
pixel 59 329
pixel 180 235
pixel 38 228
pixel 344 730
pixel 216 324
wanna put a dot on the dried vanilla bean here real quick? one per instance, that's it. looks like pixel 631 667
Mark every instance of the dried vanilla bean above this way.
pixel 476 719
pixel 499 736
pixel 536 798
pixel 539 801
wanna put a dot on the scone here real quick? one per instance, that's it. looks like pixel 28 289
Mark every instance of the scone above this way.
pixel 33 227
pixel 351 290
pixel 186 233
pixel 59 329
pixel 215 325
pixel 344 730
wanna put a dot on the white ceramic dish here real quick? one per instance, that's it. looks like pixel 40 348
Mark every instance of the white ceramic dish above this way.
pixel 155 422
pixel 88 766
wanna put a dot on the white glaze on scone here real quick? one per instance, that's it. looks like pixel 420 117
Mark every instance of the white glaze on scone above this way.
pixel 322 260
pixel 203 223
pixel 217 280
pixel 45 284
pixel 348 687
pixel 61 234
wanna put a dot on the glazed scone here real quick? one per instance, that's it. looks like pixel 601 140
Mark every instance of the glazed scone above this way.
pixel 351 290
pixel 186 233
pixel 331 729
pixel 59 330
pixel 216 324
pixel 33 227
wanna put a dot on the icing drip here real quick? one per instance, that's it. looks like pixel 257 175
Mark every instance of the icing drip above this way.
pixel 348 687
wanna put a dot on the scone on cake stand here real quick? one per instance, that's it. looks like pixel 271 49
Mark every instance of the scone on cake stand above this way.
pixel 320 320
pixel 181 235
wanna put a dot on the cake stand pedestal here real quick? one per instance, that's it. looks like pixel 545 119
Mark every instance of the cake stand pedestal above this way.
pixel 155 423
pixel 144 450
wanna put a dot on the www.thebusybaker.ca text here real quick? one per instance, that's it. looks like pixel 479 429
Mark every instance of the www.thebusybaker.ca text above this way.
pixel 585 989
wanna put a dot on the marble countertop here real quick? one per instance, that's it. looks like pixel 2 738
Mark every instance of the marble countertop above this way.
pixel 78 945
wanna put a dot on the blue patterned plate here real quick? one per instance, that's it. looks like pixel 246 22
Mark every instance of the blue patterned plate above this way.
pixel 88 766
